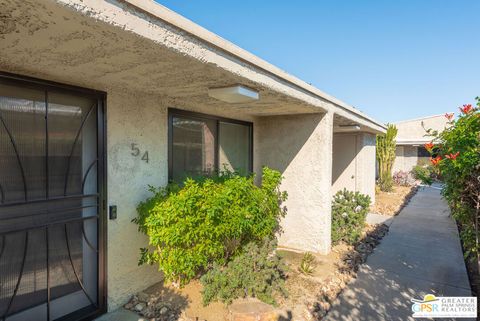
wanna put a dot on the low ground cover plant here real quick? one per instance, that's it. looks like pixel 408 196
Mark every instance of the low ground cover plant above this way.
pixel 208 221
pixel 403 178
pixel 456 154
pixel 349 211
pixel 255 272
pixel 307 265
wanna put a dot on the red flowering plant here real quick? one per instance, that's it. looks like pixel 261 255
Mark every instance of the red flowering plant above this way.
pixel 456 152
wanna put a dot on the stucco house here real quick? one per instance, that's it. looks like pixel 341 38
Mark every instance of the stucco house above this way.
pixel 99 99
pixel 411 139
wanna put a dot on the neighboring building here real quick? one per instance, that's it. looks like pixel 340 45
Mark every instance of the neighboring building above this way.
pixel 99 99
pixel 411 139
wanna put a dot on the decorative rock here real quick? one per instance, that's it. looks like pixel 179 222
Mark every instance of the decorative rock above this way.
pixel 253 310
pixel 143 297
pixel 163 310
pixel 139 307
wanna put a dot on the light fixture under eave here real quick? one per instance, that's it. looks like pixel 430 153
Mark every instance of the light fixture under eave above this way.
pixel 234 94
pixel 347 128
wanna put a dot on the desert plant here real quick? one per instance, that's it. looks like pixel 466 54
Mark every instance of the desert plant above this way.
pixel 207 220
pixel 386 146
pixel 403 178
pixel 307 264
pixel 256 272
pixel 349 211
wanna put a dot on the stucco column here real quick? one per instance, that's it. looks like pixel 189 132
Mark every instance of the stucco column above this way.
pixel 366 161
pixel 300 147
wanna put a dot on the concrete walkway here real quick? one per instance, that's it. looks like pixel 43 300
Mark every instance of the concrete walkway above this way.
pixel 421 254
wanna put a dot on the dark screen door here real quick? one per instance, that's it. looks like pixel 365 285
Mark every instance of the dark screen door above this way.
pixel 50 188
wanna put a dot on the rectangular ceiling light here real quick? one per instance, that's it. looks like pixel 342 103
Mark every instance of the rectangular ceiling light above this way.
pixel 234 94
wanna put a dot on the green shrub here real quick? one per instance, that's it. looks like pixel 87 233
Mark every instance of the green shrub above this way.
pixel 349 211
pixel 423 173
pixel 207 220
pixel 256 272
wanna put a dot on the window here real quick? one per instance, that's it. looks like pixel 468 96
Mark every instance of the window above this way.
pixel 201 144
pixel 422 152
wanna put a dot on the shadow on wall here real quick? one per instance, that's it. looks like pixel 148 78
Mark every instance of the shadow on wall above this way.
pixel 281 139
pixel 345 150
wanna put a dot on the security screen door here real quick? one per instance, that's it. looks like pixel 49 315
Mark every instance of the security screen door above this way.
pixel 50 192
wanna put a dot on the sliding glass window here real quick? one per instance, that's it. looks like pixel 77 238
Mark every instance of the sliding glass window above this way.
pixel 202 144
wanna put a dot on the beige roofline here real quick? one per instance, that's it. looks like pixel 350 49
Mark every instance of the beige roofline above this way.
pixel 420 118
pixel 176 20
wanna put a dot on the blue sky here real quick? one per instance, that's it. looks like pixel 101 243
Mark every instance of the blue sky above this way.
pixel 394 60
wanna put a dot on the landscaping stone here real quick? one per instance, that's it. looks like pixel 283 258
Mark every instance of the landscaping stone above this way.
pixel 140 307
pixel 153 307
pixel 252 310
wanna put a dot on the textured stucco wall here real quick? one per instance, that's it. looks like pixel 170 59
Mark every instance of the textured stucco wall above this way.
pixel 301 148
pixel 354 154
pixel 366 164
pixel 414 130
pixel 344 165
pixel 139 119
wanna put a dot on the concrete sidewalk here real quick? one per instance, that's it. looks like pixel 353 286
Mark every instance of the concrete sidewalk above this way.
pixel 421 254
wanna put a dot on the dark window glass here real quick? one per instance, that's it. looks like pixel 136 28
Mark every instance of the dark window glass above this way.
pixel 201 144
pixel 193 149
pixel 422 152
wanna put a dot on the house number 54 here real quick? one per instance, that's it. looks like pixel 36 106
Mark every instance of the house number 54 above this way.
pixel 136 152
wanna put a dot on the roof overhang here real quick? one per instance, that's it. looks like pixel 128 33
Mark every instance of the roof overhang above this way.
pixel 412 142
pixel 142 46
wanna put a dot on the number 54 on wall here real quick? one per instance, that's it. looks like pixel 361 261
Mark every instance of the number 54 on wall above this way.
pixel 136 152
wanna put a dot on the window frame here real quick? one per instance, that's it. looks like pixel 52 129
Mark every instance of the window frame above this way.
pixel 174 112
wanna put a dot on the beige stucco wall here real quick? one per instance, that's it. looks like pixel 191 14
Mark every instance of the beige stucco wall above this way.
pixel 139 119
pixel 344 166
pixel 414 130
pixel 366 164
pixel 406 157
pixel 354 163
pixel 300 147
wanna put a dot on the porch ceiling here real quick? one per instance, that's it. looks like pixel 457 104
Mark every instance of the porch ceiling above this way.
pixel 112 44
pixel 339 121
pixel 47 40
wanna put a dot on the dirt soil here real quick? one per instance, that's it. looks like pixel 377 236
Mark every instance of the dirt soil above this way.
pixel 390 203
pixel 309 296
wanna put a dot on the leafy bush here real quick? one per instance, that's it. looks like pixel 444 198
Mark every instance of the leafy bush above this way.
pixel 402 178
pixel 456 154
pixel 207 220
pixel 307 265
pixel 423 173
pixel 256 272
pixel 349 211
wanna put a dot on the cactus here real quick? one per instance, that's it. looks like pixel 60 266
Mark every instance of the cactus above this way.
pixel 386 146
